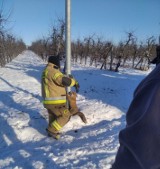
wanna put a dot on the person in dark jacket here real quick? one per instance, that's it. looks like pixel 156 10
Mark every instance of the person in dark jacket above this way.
pixel 54 84
pixel 140 139
pixel 156 60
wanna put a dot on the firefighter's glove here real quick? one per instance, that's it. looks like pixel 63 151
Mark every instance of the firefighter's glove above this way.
pixel 77 86
pixel 76 83
pixel 71 76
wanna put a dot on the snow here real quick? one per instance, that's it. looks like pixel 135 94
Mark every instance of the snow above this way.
pixel 104 98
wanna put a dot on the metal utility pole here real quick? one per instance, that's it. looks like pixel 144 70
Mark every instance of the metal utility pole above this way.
pixel 68 39
pixel 68 36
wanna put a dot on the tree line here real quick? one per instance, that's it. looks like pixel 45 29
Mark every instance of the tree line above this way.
pixel 96 51
pixel 10 46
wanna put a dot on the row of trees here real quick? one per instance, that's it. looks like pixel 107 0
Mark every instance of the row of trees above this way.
pixel 10 46
pixel 98 52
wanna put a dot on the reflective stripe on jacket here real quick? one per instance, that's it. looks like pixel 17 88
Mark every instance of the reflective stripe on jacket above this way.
pixel 55 100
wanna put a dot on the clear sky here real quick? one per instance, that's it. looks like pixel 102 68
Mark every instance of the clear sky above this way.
pixel 32 19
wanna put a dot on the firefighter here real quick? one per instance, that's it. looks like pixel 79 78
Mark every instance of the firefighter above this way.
pixel 54 95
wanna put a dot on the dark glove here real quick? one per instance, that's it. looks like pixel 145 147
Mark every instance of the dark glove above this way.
pixel 71 76
pixel 77 87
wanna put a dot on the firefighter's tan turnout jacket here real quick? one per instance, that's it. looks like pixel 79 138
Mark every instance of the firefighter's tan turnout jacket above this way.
pixel 53 85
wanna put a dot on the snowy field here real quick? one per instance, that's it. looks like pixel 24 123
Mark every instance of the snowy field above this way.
pixel 104 98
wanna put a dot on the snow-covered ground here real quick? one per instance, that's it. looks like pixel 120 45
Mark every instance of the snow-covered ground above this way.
pixel 104 98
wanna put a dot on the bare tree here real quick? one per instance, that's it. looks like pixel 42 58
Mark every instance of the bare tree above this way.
pixel 145 52
pixel 107 48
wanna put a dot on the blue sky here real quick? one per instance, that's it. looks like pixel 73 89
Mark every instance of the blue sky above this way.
pixel 110 19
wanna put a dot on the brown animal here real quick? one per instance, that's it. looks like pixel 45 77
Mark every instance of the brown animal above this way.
pixel 71 96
